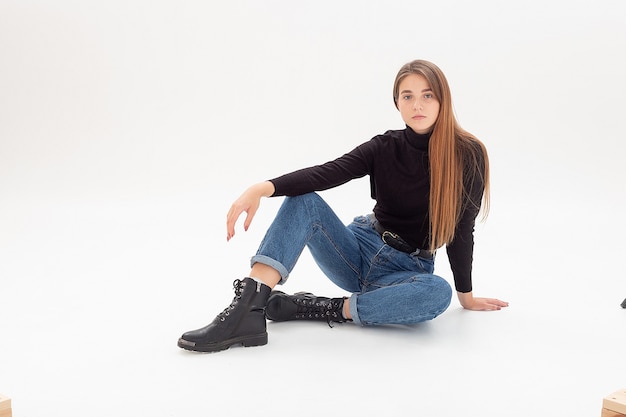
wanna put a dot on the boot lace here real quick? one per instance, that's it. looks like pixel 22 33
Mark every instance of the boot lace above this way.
pixel 238 285
pixel 312 309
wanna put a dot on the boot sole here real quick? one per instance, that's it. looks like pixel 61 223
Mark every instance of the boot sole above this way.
pixel 269 308
pixel 245 341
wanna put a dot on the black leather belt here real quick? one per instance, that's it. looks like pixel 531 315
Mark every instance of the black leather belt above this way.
pixel 398 243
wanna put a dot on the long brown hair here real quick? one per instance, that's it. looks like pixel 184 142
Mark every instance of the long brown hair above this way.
pixel 452 153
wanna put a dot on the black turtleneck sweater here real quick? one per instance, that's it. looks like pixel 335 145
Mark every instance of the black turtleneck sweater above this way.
pixel 398 166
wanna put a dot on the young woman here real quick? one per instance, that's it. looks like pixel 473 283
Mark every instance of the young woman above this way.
pixel 429 182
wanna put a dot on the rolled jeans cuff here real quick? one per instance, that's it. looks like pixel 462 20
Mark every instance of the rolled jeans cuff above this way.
pixel 353 310
pixel 265 260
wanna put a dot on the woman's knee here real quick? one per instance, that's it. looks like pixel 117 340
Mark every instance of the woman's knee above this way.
pixel 439 295
pixel 299 199
pixel 442 294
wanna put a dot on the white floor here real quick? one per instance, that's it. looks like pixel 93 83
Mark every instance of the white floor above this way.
pixel 94 298
pixel 128 127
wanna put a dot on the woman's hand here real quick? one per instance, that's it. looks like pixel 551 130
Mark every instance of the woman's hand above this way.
pixel 469 302
pixel 249 202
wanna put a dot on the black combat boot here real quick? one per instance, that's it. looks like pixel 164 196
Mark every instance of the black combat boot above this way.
pixel 242 322
pixel 304 306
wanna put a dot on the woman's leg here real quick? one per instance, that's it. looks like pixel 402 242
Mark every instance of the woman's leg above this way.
pixel 388 286
pixel 412 298
pixel 300 221
pixel 303 221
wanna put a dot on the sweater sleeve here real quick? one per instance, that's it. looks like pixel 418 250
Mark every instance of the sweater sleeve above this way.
pixel 461 250
pixel 352 165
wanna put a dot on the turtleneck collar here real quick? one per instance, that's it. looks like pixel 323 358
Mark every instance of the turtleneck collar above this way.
pixel 419 140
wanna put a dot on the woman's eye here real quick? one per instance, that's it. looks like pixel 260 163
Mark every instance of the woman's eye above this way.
pixel 407 97
pixel 428 96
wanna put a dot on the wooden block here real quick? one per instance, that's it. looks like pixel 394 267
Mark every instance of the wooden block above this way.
pixel 605 413
pixel 5 406
pixel 616 401
pixel 5 403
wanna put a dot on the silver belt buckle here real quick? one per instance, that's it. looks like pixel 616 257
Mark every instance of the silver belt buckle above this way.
pixel 386 233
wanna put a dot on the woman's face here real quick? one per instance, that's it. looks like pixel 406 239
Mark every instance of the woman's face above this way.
pixel 417 104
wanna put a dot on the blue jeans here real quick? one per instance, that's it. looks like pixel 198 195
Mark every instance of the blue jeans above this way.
pixel 388 286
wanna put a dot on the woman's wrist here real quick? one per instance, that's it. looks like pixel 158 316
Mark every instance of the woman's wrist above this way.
pixel 265 188
pixel 465 298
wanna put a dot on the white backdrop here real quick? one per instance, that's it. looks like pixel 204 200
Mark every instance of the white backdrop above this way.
pixel 128 127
